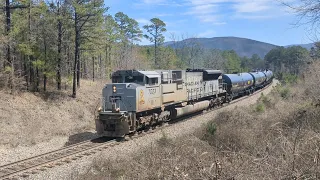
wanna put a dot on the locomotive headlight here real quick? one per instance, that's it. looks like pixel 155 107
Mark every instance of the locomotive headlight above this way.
pixel 114 89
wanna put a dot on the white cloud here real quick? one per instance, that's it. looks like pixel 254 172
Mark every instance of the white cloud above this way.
pixel 202 9
pixel 142 21
pixel 210 11
pixel 146 3
pixel 251 6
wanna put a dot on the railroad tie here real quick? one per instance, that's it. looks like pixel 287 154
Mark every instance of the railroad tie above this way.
pixel 11 178
pixel 49 166
pixel 58 163
pixel 24 175
pixel 33 172
pixel 67 160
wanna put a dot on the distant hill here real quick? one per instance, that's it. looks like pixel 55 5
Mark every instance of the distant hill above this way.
pixel 242 46
pixel 307 46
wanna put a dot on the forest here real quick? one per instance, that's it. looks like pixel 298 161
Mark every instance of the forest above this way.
pixel 56 44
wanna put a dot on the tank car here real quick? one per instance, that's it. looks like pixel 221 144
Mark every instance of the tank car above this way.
pixel 269 76
pixel 259 79
pixel 238 84
pixel 137 99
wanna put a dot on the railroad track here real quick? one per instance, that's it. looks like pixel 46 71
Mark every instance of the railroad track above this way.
pixel 33 165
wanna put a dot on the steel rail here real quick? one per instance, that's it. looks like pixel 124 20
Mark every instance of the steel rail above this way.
pixel 26 165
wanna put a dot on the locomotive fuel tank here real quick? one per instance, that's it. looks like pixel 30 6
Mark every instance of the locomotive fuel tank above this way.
pixel 189 109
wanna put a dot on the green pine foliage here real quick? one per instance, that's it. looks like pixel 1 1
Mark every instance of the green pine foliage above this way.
pixel 55 40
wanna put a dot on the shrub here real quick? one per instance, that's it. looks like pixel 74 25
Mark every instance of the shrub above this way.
pixel 164 140
pixel 285 93
pixel 260 107
pixel 211 128
pixel 287 78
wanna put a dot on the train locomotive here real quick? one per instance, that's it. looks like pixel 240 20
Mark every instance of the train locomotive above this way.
pixel 136 99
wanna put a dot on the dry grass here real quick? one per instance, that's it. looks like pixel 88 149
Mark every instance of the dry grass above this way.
pixel 277 138
pixel 186 158
pixel 29 118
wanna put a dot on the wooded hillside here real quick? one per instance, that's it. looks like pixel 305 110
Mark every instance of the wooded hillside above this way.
pixel 55 44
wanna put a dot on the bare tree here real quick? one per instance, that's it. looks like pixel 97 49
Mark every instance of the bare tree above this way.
pixel 308 12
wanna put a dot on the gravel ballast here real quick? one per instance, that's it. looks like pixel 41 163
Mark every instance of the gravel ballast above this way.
pixel 70 170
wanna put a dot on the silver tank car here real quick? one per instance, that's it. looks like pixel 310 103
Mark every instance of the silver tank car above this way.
pixel 136 99
pixel 259 78
pixel 269 75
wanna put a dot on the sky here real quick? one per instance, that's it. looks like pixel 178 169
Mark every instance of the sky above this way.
pixel 262 20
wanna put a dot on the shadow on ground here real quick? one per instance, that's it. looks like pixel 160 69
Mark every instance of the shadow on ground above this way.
pixel 80 137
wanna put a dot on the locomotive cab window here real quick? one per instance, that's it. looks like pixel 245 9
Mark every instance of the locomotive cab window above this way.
pixel 134 79
pixel 116 79
pixel 208 77
pixel 177 77
pixel 152 81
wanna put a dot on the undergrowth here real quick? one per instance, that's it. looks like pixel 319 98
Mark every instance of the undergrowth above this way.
pixel 276 138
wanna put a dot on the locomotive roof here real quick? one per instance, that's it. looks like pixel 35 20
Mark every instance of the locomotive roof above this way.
pixel 207 71
pixel 150 74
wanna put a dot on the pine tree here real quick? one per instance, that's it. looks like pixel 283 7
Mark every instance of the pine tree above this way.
pixel 155 30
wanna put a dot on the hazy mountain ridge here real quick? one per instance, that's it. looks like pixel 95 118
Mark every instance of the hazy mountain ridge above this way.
pixel 242 46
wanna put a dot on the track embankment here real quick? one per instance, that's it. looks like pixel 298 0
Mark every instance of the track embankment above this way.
pixel 71 160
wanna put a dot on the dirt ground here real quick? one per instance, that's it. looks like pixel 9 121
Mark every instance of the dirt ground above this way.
pixel 27 119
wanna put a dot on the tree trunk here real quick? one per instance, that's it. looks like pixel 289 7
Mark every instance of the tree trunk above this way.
pixel 93 68
pixel 100 65
pixel 78 62
pixel 45 62
pixel 44 82
pixel 25 69
pixel 69 61
pixel 37 79
pixel 30 56
pixel 110 61
pixel 85 69
pixel 82 67
pixel 76 56
pixel 8 21
pixel 107 61
pixel 155 53
pixel 59 50
pixel 12 77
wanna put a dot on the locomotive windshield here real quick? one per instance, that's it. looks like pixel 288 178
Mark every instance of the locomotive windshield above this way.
pixel 116 79
pixel 127 79
pixel 134 79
